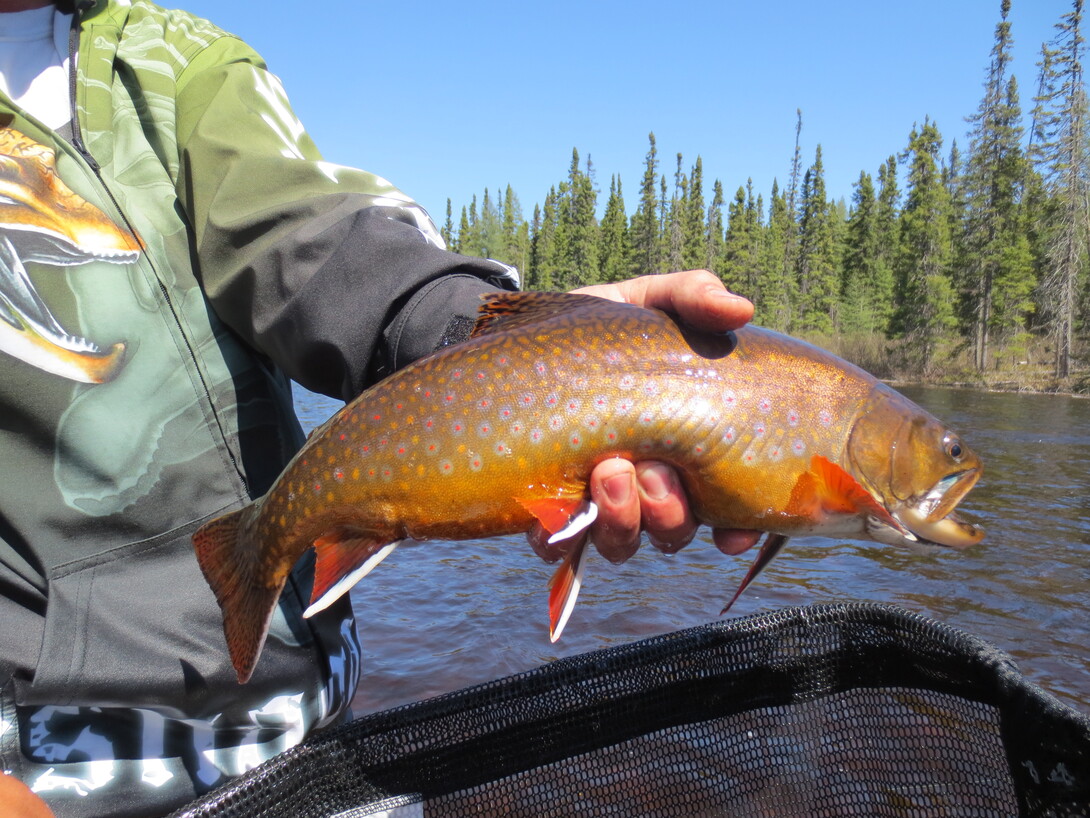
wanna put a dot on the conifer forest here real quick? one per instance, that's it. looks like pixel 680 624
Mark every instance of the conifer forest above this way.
pixel 962 259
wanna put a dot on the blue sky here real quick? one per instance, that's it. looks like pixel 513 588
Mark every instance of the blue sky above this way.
pixel 445 99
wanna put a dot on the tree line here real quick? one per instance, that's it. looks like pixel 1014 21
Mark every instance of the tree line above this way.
pixel 979 252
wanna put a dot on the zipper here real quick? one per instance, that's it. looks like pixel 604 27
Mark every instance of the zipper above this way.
pixel 81 148
pixel 73 48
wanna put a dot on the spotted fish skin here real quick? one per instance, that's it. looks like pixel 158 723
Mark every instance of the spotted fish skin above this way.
pixel 490 436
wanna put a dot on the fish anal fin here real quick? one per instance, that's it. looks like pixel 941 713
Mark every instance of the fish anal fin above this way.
pixel 770 548
pixel 340 551
pixel 564 590
pixel 246 603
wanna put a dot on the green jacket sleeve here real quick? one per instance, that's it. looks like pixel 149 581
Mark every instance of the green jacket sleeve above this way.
pixel 331 272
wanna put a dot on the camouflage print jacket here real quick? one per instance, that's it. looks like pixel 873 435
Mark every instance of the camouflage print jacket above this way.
pixel 161 268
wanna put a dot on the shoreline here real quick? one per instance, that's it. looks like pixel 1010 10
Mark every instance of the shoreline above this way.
pixel 1011 387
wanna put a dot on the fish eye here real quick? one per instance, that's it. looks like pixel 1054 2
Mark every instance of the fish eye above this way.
pixel 953 447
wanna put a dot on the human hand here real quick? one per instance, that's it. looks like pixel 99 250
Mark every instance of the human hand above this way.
pixel 19 801
pixel 648 496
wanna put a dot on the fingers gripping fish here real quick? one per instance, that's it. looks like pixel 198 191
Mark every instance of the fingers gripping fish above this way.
pixel 501 433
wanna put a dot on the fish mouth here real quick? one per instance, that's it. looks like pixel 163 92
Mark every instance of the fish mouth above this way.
pixel 931 518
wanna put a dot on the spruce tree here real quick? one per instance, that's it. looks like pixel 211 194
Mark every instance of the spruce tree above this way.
pixel 817 254
pixel 645 221
pixel 736 244
pixel 676 221
pixel 543 250
pixel 713 233
pixel 926 314
pixel 613 249
pixel 858 290
pixel 693 255
pixel 464 233
pixel 1060 155
pixel 791 222
pixel 580 227
pixel 887 227
pixel 516 245
pixel 994 245
pixel 778 291
pixel 447 231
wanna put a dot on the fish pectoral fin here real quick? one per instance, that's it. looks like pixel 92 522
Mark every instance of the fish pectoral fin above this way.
pixel 345 555
pixel 771 547
pixel 562 517
pixel 564 589
pixel 829 489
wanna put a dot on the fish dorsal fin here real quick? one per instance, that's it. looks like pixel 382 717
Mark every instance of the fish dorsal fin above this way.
pixel 507 310
pixel 829 489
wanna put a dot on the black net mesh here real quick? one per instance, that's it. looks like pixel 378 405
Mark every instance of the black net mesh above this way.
pixel 855 710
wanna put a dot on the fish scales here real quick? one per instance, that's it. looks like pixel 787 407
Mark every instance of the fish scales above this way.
pixel 459 438
pixel 480 439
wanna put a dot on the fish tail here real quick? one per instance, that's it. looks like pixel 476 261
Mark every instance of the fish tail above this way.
pixel 247 605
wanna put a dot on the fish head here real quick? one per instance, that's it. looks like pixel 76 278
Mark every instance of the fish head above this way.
pixel 917 467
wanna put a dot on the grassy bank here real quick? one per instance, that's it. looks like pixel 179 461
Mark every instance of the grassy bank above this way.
pixel 1023 366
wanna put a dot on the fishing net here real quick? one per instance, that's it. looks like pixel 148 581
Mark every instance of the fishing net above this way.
pixel 840 710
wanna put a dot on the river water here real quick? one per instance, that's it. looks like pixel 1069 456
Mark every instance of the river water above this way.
pixel 435 617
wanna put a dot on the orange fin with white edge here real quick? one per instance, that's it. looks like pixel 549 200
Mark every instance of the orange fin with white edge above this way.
pixel 829 489
pixel 345 555
pixel 246 603
pixel 771 547
pixel 562 517
pixel 564 589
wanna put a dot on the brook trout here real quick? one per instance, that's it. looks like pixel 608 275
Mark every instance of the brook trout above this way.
pixel 496 434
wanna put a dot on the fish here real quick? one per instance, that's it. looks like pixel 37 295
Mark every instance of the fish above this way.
pixel 43 221
pixel 500 433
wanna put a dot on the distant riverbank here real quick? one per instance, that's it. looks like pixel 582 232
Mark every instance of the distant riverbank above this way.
pixel 1024 368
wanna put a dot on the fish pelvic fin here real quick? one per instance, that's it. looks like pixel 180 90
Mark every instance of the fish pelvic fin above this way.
pixel 564 589
pixel 247 605
pixel 345 555
pixel 562 517
pixel 771 547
